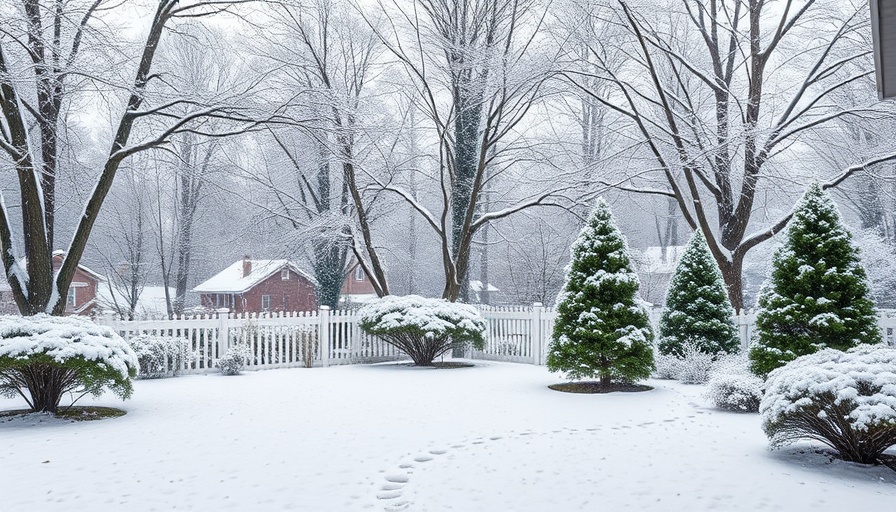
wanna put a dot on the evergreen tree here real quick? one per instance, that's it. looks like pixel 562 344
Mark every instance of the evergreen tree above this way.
pixel 817 295
pixel 697 306
pixel 601 329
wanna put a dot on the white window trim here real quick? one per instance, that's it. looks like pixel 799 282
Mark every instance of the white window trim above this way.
pixel 284 274
pixel 73 295
pixel 359 273
pixel 263 297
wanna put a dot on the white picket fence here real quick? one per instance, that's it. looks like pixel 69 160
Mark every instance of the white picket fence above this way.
pixel 518 334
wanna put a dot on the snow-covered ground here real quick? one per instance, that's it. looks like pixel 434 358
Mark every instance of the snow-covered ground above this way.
pixel 386 437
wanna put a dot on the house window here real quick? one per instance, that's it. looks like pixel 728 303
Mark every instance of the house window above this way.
pixel 70 299
pixel 359 273
pixel 284 274
pixel 265 302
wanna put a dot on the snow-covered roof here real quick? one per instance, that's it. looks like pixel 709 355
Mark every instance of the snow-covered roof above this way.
pixel 652 259
pixel 151 302
pixel 83 268
pixel 231 279
pixel 4 283
pixel 476 286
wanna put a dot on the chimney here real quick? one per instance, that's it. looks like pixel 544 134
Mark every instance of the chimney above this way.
pixel 247 265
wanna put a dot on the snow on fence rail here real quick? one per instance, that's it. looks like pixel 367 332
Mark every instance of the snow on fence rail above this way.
pixel 274 340
pixel 518 334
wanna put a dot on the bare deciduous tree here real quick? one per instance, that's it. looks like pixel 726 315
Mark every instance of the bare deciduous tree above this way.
pixel 36 288
pixel 475 77
pixel 719 92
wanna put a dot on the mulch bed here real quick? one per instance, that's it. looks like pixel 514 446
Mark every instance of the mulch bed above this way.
pixel 76 413
pixel 592 387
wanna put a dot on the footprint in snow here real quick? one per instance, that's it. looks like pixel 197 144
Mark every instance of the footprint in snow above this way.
pixel 392 491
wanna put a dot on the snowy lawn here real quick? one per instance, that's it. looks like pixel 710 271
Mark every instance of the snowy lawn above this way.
pixel 387 437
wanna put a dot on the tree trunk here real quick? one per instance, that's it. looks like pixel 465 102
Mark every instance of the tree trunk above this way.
pixel 732 273
pixel 466 165
pixel 46 383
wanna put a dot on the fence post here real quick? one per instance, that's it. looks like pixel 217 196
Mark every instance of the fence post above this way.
pixel 537 335
pixel 743 328
pixel 223 338
pixel 355 324
pixel 323 316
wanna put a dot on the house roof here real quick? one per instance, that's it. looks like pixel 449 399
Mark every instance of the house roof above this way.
pixel 476 286
pixel 150 303
pixel 231 279
pixel 83 268
pixel 4 282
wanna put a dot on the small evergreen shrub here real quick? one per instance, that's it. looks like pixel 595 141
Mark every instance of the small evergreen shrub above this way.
pixel 423 328
pixel 160 356
pixel 694 365
pixel 846 400
pixel 697 308
pixel 234 360
pixel 740 392
pixel 817 295
pixel 665 366
pixel 733 387
pixel 602 330
pixel 44 357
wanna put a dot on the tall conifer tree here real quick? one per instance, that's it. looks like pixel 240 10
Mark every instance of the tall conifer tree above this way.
pixel 601 330
pixel 817 295
pixel 697 307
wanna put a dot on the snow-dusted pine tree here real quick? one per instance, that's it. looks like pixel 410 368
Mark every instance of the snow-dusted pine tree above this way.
pixel 601 329
pixel 697 307
pixel 817 295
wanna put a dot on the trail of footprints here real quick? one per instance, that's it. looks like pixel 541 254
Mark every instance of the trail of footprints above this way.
pixel 391 493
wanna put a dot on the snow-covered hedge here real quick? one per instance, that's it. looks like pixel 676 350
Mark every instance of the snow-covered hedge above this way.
pixel 234 359
pixel 693 366
pixel 423 328
pixel 733 386
pixel 49 356
pixel 846 400
pixel 160 356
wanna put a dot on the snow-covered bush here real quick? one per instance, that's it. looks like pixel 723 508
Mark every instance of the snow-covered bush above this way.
pixel 665 366
pixel 694 365
pixel 733 386
pixel 423 328
pixel 234 359
pixel 602 329
pixel 817 295
pixel 160 356
pixel 48 356
pixel 846 400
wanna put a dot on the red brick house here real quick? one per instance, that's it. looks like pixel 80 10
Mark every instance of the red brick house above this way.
pixel 81 298
pixel 357 288
pixel 255 286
